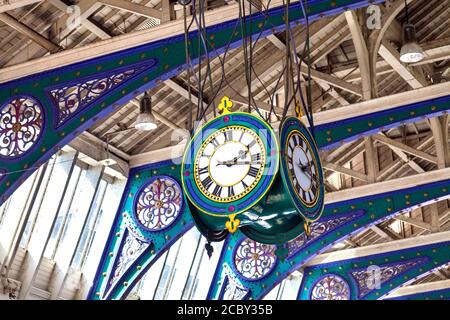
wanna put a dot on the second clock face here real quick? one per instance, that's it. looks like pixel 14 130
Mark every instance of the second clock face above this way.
pixel 229 164
pixel 302 168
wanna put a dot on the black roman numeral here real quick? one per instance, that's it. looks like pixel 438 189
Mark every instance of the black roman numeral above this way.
pixel 203 170
pixel 313 188
pixel 253 172
pixel 228 135
pixel 217 191
pixel 241 136
pixel 215 143
pixel 256 157
pixel 311 195
pixel 207 182
pixel 244 184
pixel 230 191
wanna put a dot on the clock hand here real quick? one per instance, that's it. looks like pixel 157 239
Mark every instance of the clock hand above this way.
pixel 306 169
pixel 242 155
pixel 229 163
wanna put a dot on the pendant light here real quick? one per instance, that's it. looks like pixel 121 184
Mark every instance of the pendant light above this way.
pixel 411 52
pixel 146 120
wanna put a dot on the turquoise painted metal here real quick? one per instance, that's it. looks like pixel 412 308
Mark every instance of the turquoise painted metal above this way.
pixel 371 277
pixel 339 221
pixel 113 80
pixel 118 270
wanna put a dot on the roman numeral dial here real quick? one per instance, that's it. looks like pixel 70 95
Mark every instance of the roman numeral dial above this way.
pixel 302 168
pixel 230 163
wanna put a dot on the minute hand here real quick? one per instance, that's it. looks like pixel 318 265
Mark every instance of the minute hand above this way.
pixel 237 162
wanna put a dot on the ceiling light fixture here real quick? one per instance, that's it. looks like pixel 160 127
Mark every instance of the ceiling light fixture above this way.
pixel 146 120
pixel 411 52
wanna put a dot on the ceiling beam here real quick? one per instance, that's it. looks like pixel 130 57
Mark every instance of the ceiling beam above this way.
pixel 419 288
pixel 134 8
pixel 84 19
pixel 398 145
pixel 29 33
pixel 15 4
pixel 119 43
pixel 389 186
pixel 346 171
pixel 361 53
pixel 184 92
pixel 380 248
pixel 414 222
pixel 382 103
pixel 392 57
pixel 320 77
pixel 439 127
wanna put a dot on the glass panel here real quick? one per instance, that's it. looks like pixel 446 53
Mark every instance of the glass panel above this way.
pixel 13 210
pixel 148 283
pixel 62 214
pixel 100 231
pixel 89 228
pixel 37 204
pixel 206 271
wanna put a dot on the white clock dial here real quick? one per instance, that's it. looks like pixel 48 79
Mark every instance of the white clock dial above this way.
pixel 303 168
pixel 229 163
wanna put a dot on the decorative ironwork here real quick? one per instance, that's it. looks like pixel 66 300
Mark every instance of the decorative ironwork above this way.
pixel 365 277
pixel 330 287
pixel 319 229
pixel 254 260
pixel 159 203
pixel 21 125
pixel 130 249
pixel 232 290
pixel 75 97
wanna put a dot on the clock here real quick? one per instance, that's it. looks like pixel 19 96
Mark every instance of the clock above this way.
pixel 301 169
pixel 228 166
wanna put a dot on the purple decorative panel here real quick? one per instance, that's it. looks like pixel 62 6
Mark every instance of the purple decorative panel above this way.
pixel 365 277
pixel 72 98
pixel 159 203
pixel 254 260
pixel 21 124
pixel 318 229
pixel 330 287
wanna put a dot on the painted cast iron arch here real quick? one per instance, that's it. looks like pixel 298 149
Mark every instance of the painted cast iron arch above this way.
pixel 373 276
pixel 338 222
pixel 75 96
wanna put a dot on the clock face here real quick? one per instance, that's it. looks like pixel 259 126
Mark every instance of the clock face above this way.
pixel 301 168
pixel 230 163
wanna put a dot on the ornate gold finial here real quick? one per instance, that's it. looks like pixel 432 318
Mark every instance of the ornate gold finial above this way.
pixel 225 105
pixel 232 224
pixel 298 110
pixel 307 227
